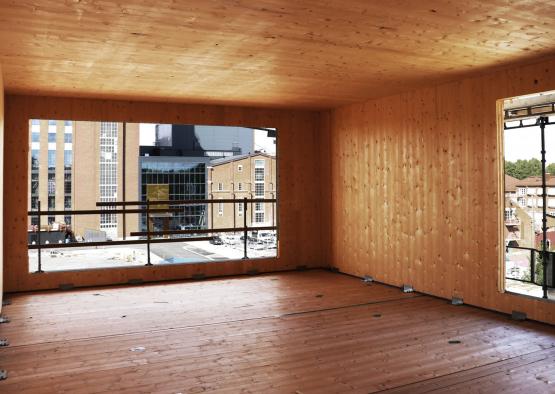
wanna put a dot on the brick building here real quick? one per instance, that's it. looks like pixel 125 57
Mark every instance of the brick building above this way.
pixel 252 176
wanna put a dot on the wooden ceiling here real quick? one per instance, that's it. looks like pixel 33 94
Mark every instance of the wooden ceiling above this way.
pixel 309 53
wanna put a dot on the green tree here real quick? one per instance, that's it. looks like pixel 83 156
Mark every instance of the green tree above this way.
pixel 524 168
pixel 550 169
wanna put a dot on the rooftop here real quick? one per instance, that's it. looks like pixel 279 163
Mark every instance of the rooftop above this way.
pixel 230 159
pixel 535 181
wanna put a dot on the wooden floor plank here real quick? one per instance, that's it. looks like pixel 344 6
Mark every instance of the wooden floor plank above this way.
pixel 306 332
pixel 52 316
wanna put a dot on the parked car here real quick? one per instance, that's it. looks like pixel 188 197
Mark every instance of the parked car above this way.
pixel 216 240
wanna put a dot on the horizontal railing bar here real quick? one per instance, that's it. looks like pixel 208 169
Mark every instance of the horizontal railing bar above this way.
pixel 520 247
pixel 203 231
pixel 522 126
pixel 115 243
pixel 525 248
pixel 522 280
pixel 185 202
pixel 101 211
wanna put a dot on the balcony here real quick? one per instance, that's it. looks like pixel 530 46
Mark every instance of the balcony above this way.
pixel 512 221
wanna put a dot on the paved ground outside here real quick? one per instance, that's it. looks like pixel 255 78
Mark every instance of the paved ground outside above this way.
pixel 529 289
pixel 64 259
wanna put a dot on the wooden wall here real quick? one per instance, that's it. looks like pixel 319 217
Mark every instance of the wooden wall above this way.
pixel 415 188
pixel 300 216
pixel 1 182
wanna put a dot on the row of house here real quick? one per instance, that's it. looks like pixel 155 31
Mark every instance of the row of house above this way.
pixel 524 210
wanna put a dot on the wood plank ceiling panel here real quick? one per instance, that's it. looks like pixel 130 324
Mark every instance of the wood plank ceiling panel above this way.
pixel 312 53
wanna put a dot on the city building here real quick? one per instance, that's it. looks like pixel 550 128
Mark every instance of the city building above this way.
pixel 175 167
pixel 523 209
pixel 74 164
pixel 245 176
pixel 529 193
pixel 172 167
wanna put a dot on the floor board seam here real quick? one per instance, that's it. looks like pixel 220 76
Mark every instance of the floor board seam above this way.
pixel 408 385
pixel 351 306
pixel 223 322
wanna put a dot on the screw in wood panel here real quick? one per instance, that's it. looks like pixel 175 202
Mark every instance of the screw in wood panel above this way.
pixel 4 342
pixel 518 316
pixel 3 374
pixel 66 286
pixel 198 276
pixel 457 301
pixel 407 288
pixel 4 319
pixel 367 279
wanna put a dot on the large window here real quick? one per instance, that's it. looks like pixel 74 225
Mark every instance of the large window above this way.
pixel 108 167
pixel 82 165
pixel 529 180
pixel 51 159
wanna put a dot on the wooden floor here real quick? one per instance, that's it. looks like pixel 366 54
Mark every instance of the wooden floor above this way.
pixel 299 332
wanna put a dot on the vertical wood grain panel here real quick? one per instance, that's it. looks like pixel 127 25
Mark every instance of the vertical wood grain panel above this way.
pixel 426 164
pixel 1 185
pixel 300 211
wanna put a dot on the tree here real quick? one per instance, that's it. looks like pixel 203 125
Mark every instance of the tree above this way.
pixel 550 169
pixel 524 168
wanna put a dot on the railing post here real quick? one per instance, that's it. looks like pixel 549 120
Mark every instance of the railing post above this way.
pixel 148 232
pixel 533 265
pixel 552 269
pixel 245 235
pixel 39 270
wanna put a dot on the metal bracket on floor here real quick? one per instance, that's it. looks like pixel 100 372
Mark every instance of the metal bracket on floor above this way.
pixel 407 288
pixel 254 271
pixel 6 302
pixel 367 279
pixel 301 267
pixel 457 301
pixel 4 343
pixel 199 276
pixel 518 316
pixel 66 286
pixel 4 319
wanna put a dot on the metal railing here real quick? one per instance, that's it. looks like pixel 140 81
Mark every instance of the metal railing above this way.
pixel 548 280
pixel 148 210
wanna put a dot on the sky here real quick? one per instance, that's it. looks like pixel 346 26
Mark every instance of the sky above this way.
pixel 146 134
pixel 525 144
pixel 261 141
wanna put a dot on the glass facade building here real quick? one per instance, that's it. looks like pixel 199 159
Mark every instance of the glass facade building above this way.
pixel 181 178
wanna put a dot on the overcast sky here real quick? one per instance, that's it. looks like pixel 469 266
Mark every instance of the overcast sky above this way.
pixel 525 144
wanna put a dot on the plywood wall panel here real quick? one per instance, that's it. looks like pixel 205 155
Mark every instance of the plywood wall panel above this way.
pixel 300 215
pixel 415 188
pixel 1 183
